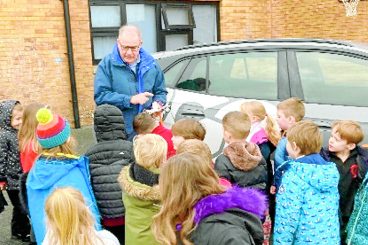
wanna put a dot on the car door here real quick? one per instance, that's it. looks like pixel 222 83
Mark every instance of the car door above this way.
pixel 208 86
pixel 333 85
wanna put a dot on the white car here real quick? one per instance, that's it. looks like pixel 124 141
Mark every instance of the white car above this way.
pixel 207 81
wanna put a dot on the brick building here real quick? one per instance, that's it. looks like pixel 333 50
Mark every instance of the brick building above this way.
pixel 33 42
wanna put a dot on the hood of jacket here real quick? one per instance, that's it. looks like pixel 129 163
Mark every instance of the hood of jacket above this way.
pixel 246 199
pixel 322 176
pixel 41 178
pixel 243 155
pixel 6 108
pixel 109 123
pixel 136 189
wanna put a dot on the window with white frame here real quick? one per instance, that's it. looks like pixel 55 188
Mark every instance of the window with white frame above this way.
pixel 165 25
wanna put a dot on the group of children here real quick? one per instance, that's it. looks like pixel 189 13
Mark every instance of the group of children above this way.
pixel 164 187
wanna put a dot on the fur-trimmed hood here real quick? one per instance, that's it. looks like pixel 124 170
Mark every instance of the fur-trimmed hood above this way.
pixel 136 189
pixel 243 155
pixel 246 199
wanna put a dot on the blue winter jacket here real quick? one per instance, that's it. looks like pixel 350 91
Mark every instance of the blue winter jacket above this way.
pixel 45 176
pixel 281 154
pixel 115 84
pixel 307 203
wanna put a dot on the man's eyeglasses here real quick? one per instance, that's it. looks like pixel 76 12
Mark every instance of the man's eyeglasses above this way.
pixel 131 48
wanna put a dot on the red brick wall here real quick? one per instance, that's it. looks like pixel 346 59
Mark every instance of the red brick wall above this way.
pixel 251 19
pixel 241 19
pixel 318 19
pixel 33 55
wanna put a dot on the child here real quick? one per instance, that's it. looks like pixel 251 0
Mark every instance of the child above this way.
pixel 263 131
pixel 357 230
pixel 289 112
pixel 145 123
pixel 242 162
pixel 307 197
pixel 57 166
pixel 352 162
pixel 107 157
pixel 69 221
pixel 10 121
pixel 139 183
pixel 28 144
pixel 185 129
pixel 196 209
pixel 198 147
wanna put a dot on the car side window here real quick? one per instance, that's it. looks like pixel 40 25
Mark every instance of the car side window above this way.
pixel 194 76
pixel 328 78
pixel 247 75
pixel 173 74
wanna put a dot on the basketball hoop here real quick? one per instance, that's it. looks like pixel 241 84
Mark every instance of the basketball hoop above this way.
pixel 351 7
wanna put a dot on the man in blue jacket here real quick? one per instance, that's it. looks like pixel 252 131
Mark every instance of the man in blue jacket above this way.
pixel 129 78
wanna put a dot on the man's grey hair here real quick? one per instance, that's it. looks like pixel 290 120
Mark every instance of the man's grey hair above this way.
pixel 130 28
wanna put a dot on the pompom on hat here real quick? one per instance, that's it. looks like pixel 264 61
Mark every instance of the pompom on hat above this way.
pixel 52 129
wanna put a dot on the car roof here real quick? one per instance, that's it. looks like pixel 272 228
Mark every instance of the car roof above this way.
pixel 275 43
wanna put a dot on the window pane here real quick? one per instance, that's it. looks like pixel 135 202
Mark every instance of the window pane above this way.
pixel 194 77
pixel 172 75
pixel 144 16
pixel 177 16
pixel 103 46
pixel 99 16
pixel 333 79
pixel 246 75
pixel 206 24
pixel 175 41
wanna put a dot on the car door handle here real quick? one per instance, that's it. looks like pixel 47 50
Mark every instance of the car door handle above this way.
pixel 190 110
pixel 323 124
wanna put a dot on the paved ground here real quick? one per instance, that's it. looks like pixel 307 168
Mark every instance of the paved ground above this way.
pixel 85 138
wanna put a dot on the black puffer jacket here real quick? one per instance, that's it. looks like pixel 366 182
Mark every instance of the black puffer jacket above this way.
pixel 9 149
pixel 107 158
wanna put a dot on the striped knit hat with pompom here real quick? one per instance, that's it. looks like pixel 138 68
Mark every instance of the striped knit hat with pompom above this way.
pixel 52 129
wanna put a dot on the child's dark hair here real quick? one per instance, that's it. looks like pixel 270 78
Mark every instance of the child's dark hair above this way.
pixel 144 123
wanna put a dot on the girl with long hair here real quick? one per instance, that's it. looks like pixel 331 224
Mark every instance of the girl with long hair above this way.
pixel 28 145
pixel 196 209
pixel 70 222
pixel 57 166
pixel 264 132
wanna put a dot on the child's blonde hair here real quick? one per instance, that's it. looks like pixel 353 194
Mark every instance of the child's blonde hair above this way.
pixel 351 131
pixel 184 180
pixel 69 220
pixel 196 147
pixel 27 132
pixel 256 108
pixel 150 150
pixel 292 107
pixel 144 123
pixel 188 128
pixel 306 136
pixel 237 124
pixel 60 151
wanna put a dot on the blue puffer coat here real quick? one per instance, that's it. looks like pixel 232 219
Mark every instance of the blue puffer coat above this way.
pixel 48 174
pixel 307 203
pixel 115 84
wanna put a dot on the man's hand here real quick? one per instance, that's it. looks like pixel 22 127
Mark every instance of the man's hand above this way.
pixel 140 98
